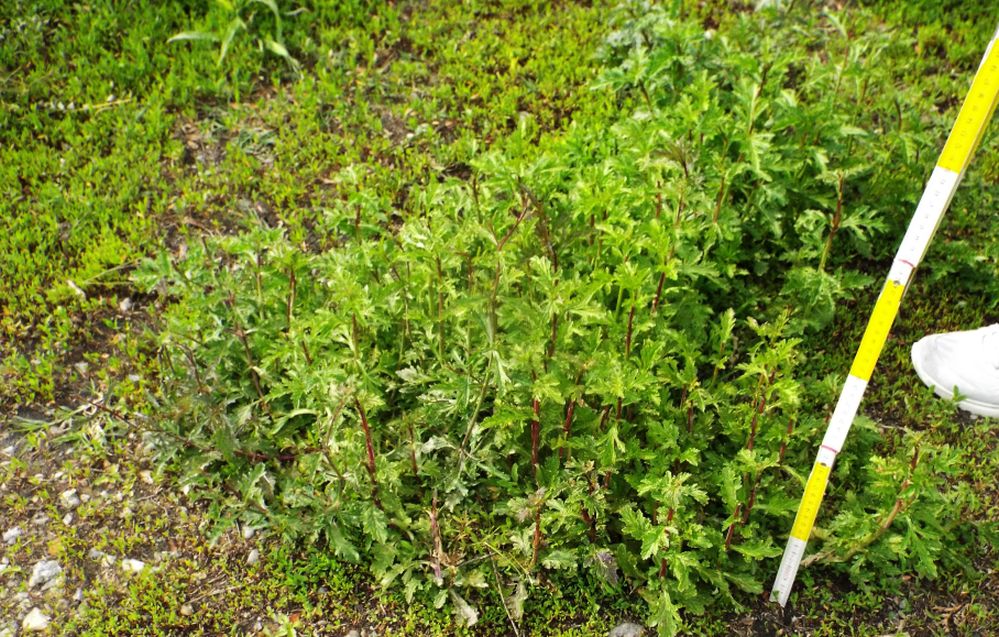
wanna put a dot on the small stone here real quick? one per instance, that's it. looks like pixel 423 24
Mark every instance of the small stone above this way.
pixel 45 574
pixel 67 519
pixel 146 476
pixel 78 595
pixel 627 629
pixel 35 621
pixel 82 367
pixel 69 499
pixel 10 535
pixel 132 566
pixel 253 557
pixel 101 557
pixel 186 610
pixel 40 519
pixel 125 304
pixel 248 532
pixel 8 631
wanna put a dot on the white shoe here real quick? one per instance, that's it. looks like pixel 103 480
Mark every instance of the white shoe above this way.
pixel 967 362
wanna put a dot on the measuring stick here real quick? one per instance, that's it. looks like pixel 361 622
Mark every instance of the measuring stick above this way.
pixel 964 138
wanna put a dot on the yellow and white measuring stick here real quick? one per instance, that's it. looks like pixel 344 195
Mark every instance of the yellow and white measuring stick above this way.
pixel 964 138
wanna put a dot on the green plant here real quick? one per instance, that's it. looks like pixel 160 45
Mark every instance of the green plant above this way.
pixel 260 18
pixel 554 366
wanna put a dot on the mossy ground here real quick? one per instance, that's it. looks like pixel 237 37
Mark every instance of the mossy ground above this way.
pixel 115 144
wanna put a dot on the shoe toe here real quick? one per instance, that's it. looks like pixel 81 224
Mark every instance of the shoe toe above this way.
pixel 926 359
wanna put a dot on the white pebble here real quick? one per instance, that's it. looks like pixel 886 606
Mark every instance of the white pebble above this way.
pixel 100 556
pixel 69 499
pixel 10 535
pixel 627 629
pixel 253 557
pixel 35 621
pixel 132 566
pixel 44 573
pixel 67 519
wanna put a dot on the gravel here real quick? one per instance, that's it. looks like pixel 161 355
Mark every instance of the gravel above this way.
pixel 35 621
pixel 101 557
pixel 627 629
pixel 69 499
pixel 10 535
pixel 45 574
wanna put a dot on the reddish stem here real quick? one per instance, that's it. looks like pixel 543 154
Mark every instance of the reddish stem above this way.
pixel 659 292
pixel 603 418
pixel 520 217
pixel 535 435
pixel 719 199
pixel 787 437
pixel 751 501
pixel 591 523
pixel 567 428
pixel 370 447
pixel 627 336
pixel 731 527
pixel 761 405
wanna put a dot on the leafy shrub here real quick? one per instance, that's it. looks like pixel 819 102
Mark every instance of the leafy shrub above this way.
pixel 555 365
